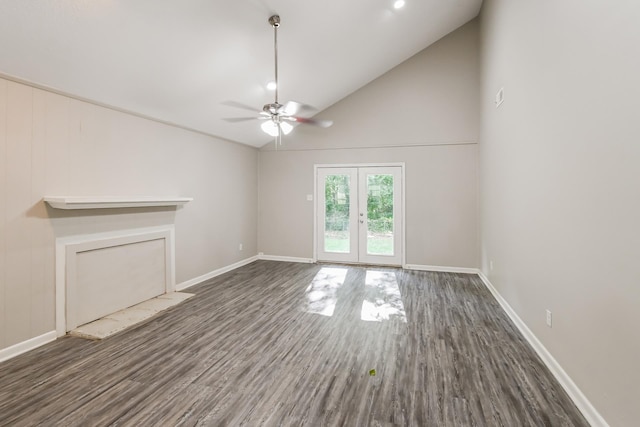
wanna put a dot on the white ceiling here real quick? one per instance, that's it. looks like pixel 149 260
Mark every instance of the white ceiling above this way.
pixel 179 60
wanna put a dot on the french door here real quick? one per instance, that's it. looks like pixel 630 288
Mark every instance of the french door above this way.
pixel 359 214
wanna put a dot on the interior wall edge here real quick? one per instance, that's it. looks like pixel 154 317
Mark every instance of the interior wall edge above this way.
pixel 577 396
pixel 268 148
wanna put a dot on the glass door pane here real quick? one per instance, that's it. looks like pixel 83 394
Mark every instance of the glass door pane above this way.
pixel 337 214
pixel 380 214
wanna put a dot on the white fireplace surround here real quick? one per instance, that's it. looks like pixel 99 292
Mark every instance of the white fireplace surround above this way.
pixel 68 247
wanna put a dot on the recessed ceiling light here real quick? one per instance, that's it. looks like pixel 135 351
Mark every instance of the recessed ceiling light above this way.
pixel 271 85
pixel 398 4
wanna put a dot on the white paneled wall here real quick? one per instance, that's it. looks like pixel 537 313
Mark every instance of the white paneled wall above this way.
pixel 54 145
pixel 22 294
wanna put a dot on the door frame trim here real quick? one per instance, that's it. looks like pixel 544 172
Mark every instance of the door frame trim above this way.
pixel 403 202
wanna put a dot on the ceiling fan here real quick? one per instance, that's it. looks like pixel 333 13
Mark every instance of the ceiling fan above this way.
pixel 278 118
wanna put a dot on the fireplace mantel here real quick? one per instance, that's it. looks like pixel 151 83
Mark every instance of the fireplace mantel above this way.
pixel 60 202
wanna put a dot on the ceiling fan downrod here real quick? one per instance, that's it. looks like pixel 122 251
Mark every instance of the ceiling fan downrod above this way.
pixel 274 20
pixel 274 109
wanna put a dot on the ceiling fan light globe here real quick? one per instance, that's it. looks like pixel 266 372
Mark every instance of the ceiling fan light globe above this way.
pixel 270 128
pixel 286 128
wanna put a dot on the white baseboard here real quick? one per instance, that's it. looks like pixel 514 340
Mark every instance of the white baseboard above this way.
pixel 196 280
pixel 588 410
pixel 30 344
pixel 264 257
pixel 441 269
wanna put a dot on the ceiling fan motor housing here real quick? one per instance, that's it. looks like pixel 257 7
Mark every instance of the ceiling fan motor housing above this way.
pixel 273 109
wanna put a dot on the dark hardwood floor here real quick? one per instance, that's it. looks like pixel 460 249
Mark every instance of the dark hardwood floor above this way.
pixel 286 344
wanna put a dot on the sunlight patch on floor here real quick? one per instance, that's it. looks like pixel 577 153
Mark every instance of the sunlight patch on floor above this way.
pixel 322 293
pixel 382 298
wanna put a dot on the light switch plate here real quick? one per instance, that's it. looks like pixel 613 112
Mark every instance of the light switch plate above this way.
pixel 500 97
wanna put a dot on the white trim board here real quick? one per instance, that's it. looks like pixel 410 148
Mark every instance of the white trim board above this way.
pixel 279 258
pixel 210 275
pixel 60 202
pixel 440 269
pixel 28 345
pixel 591 414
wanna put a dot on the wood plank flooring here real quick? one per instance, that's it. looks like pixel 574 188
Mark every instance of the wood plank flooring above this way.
pixel 284 344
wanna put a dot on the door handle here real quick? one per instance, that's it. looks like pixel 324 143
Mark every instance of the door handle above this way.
pixel 362 221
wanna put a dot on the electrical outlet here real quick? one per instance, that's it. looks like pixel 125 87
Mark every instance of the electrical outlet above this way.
pixel 491 265
pixel 549 318
pixel 240 247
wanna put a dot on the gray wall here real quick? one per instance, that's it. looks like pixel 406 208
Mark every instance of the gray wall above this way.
pixel 424 113
pixel 53 145
pixel 560 191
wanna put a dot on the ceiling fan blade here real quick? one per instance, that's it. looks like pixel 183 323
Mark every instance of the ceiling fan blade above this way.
pixel 240 119
pixel 315 122
pixel 240 105
pixel 292 108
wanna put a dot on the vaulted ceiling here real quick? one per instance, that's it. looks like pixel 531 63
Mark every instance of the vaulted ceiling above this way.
pixel 182 61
